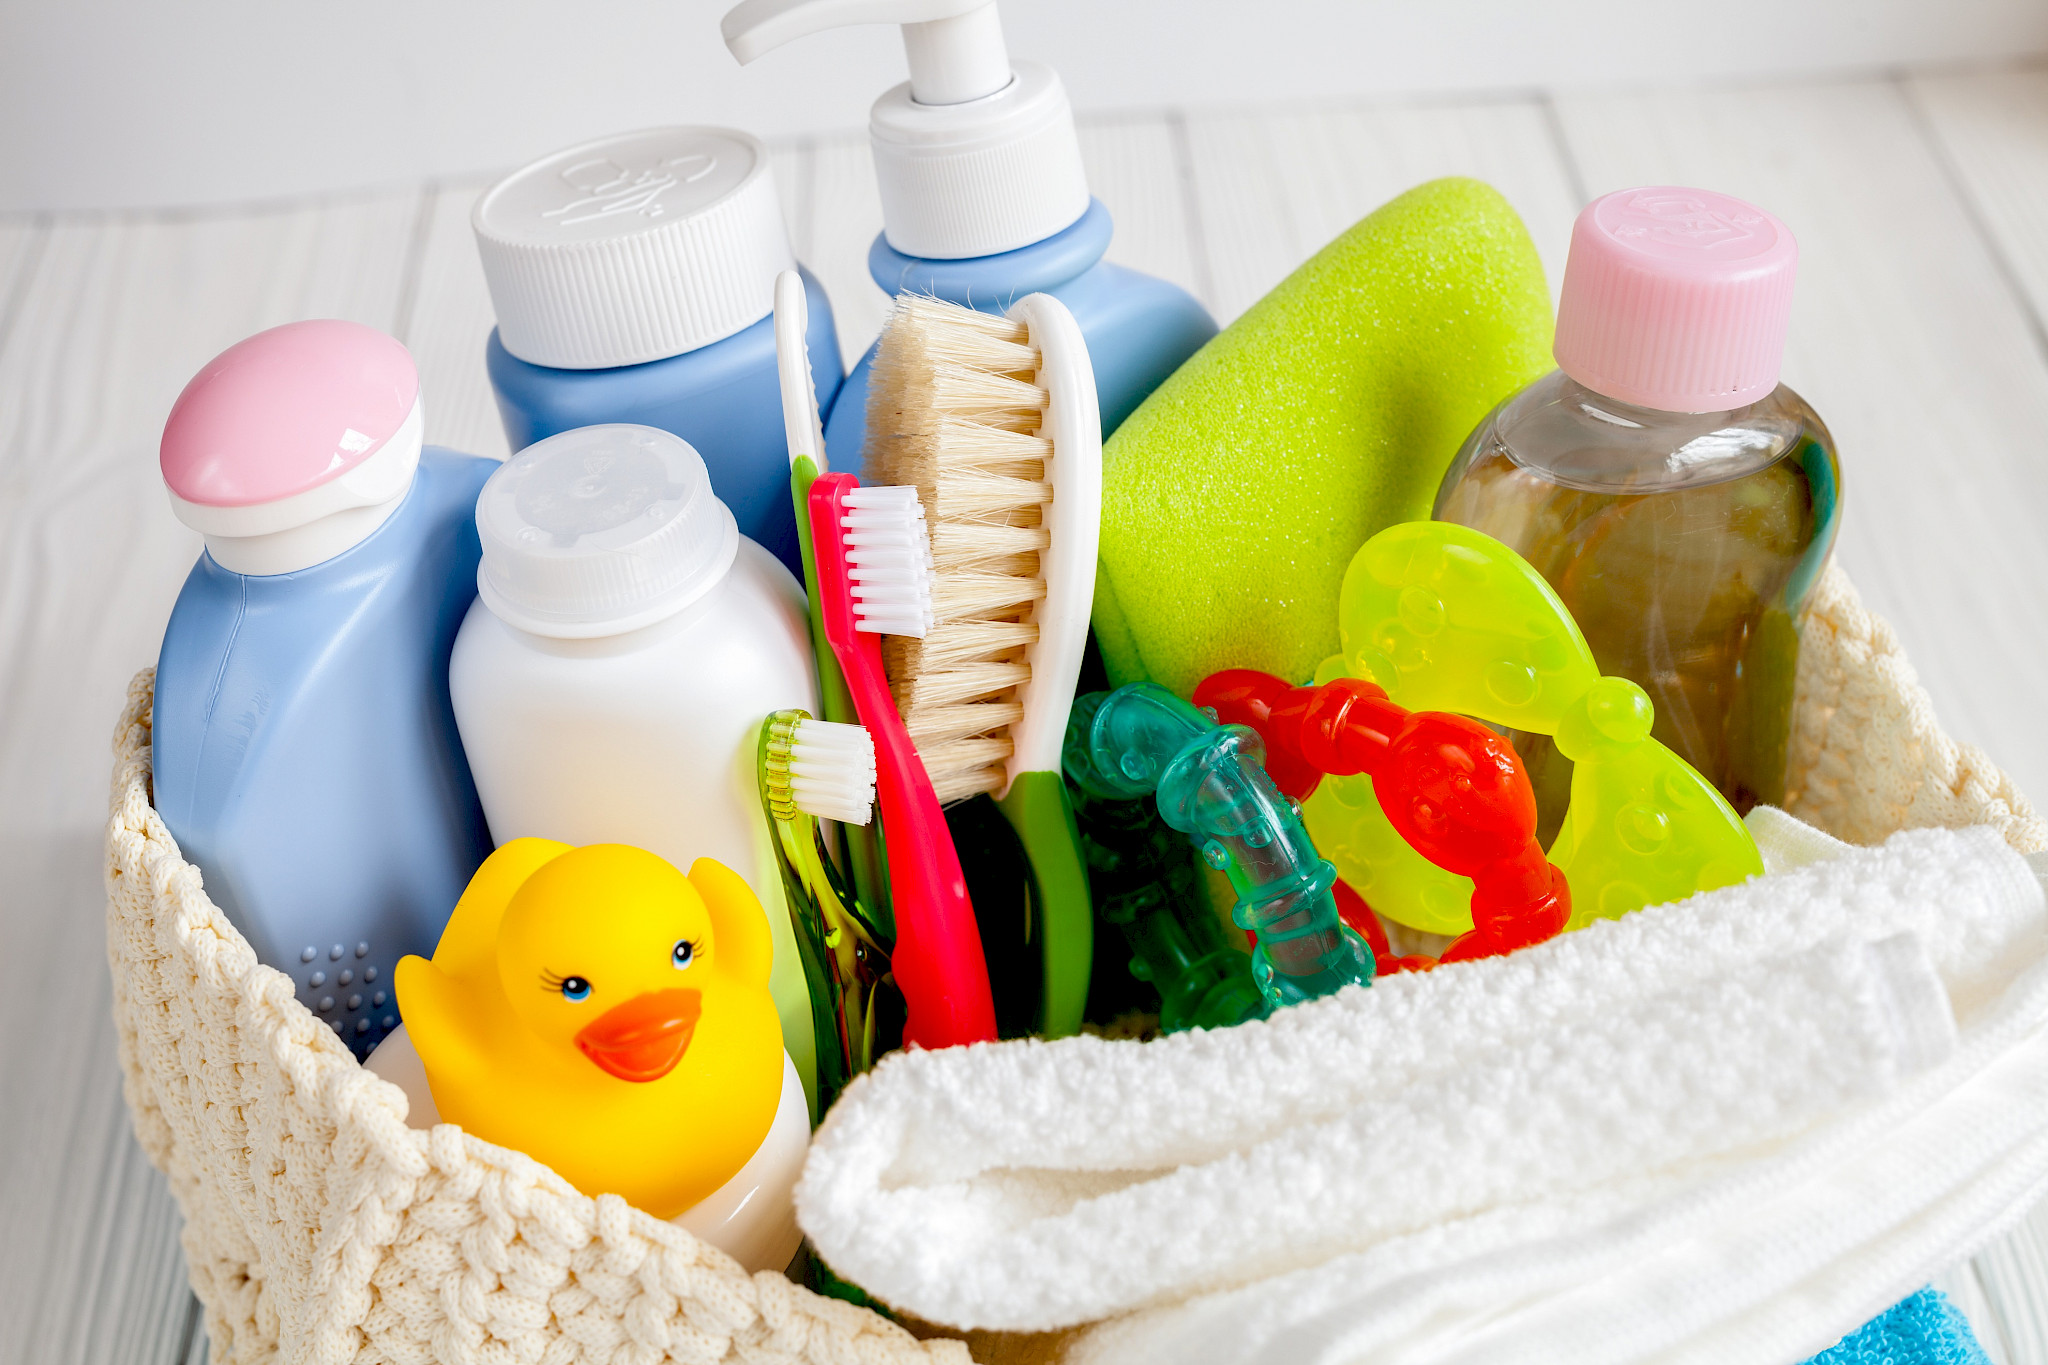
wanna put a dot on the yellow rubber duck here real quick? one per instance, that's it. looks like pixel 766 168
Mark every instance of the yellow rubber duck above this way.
pixel 603 1013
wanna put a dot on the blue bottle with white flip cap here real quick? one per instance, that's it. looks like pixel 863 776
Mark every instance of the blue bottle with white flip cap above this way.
pixel 633 279
pixel 984 198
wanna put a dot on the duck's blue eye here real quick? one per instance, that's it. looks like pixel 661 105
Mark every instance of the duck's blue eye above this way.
pixel 684 953
pixel 575 988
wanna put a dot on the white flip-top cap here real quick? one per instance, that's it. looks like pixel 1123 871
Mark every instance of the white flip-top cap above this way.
pixel 633 248
pixel 599 531
pixel 972 156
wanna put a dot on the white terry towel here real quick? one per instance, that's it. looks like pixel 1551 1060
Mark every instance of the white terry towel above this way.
pixel 1470 1160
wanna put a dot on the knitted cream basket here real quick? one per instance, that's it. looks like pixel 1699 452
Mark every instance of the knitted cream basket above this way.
pixel 321 1229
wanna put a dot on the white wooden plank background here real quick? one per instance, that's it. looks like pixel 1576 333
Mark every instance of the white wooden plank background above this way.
pixel 1922 208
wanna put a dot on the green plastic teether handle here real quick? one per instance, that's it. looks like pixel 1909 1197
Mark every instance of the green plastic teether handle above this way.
pixel 1645 828
pixel 1349 828
pixel 1038 809
pixel 1446 618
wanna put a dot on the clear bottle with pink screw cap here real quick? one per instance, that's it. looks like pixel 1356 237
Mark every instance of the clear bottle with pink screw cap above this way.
pixel 1680 499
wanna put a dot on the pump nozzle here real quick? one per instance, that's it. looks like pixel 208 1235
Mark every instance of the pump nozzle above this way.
pixel 955 47
pixel 974 155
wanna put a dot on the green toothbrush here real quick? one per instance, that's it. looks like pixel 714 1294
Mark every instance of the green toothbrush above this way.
pixel 811 769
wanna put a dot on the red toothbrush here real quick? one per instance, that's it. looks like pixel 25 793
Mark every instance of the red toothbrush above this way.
pixel 874 579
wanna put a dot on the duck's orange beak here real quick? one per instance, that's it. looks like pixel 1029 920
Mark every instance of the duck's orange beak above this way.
pixel 643 1039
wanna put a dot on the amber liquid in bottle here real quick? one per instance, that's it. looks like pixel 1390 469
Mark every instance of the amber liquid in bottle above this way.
pixel 1686 546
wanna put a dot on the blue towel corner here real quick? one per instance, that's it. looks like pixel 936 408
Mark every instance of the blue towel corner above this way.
pixel 1925 1329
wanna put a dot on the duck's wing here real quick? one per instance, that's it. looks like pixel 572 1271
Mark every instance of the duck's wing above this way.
pixel 469 944
pixel 442 1023
pixel 739 924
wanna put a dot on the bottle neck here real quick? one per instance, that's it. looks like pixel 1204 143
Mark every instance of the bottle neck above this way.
pixel 629 635
pixel 299 548
pixel 1584 439
pixel 993 283
pixel 1606 408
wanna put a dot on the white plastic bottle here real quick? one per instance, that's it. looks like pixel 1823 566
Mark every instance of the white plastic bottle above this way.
pixel 611 679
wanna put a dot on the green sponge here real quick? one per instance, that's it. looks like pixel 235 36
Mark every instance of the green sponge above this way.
pixel 1234 498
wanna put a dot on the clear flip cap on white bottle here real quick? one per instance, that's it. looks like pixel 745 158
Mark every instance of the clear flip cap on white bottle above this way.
pixel 973 155
pixel 633 248
pixel 599 531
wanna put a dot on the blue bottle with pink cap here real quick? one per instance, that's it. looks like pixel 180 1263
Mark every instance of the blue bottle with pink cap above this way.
pixel 306 756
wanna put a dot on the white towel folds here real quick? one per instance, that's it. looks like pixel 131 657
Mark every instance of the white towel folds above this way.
pixel 1725 1130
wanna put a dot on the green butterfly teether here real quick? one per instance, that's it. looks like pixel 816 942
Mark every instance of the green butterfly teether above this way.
pixel 1446 618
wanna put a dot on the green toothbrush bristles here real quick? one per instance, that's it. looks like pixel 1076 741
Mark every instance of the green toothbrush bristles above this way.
pixel 820 768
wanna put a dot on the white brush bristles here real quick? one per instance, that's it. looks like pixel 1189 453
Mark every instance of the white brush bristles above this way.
pixel 954 411
pixel 888 561
pixel 832 771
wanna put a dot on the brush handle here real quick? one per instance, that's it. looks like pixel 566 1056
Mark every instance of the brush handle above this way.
pixel 1034 796
pixel 1038 809
pixel 938 960
pixel 1073 522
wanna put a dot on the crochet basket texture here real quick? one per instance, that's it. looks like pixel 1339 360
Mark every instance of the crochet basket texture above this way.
pixel 320 1229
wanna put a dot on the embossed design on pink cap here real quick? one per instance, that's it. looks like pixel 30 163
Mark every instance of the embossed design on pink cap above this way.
pixel 1676 299
pixel 285 411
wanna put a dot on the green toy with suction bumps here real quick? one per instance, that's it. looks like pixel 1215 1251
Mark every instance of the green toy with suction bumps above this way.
pixel 1235 496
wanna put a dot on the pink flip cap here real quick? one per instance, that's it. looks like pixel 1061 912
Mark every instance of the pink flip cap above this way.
pixel 285 411
pixel 1676 299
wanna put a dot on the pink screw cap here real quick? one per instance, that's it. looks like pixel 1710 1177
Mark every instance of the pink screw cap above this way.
pixel 1676 299
pixel 286 411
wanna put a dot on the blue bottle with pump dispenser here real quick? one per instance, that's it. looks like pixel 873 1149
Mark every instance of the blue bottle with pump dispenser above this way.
pixel 633 279
pixel 984 198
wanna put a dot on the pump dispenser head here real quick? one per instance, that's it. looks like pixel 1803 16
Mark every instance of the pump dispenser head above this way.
pixel 974 154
